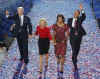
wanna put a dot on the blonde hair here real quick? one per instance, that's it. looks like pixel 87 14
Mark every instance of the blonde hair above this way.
pixel 43 19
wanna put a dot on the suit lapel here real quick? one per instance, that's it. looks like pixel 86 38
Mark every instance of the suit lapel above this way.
pixel 18 19
pixel 24 20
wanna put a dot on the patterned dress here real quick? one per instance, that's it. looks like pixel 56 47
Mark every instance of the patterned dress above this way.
pixel 60 39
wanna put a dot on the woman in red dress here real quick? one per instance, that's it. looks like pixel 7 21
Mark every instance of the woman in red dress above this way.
pixel 43 43
pixel 60 34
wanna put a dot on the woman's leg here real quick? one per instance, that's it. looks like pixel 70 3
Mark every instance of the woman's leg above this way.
pixel 58 63
pixel 41 62
pixel 47 59
pixel 58 59
pixel 62 63
pixel 62 60
pixel 58 66
pixel 46 66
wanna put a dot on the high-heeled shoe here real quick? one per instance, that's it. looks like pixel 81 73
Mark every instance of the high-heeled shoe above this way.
pixel 40 75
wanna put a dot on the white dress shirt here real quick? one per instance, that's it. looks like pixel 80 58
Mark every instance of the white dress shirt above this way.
pixel 7 16
pixel 73 22
pixel 21 20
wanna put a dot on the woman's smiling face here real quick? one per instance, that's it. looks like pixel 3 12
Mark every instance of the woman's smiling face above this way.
pixel 43 23
pixel 60 20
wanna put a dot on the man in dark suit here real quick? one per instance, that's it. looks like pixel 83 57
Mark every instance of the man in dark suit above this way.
pixel 22 29
pixel 76 33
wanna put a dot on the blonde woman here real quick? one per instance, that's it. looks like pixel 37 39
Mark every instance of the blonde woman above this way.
pixel 44 41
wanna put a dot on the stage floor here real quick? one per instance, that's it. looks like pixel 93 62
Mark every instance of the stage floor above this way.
pixel 88 59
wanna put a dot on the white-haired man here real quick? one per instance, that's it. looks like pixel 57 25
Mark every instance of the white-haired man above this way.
pixel 22 30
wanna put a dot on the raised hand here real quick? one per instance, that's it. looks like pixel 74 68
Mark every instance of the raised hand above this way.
pixel 81 6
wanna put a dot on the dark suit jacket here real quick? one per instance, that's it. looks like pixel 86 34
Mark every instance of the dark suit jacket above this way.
pixel 24 30
pixel 81 31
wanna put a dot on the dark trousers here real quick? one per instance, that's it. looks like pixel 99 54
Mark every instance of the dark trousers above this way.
pixel 75 44
pixel 23 48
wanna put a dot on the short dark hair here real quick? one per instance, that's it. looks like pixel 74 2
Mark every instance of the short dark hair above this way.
pixel 62 16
